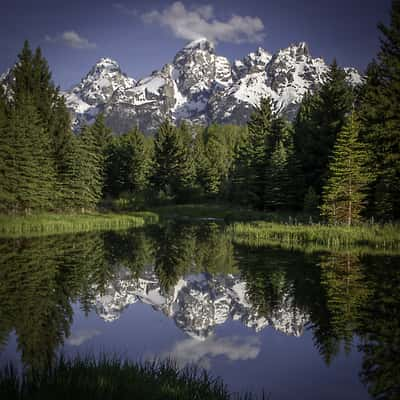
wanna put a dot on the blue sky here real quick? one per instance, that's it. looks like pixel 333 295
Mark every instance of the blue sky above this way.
pixel 143 35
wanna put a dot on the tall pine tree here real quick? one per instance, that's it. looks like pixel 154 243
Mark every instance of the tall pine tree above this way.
pixel 249 174
pixel 349 176
pixel 380 116
pixel 320 119
pixel 174 170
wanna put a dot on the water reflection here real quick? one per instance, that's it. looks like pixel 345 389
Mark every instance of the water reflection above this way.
pixel 195 276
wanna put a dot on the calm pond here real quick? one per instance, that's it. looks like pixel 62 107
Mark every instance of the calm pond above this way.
pixel 298 325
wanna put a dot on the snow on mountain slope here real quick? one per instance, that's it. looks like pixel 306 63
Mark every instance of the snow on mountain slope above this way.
pixel 197 303
pixel 198 86
pixel 95 90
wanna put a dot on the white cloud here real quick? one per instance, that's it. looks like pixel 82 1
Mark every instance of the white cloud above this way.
pixel 198 22
pixel 193 351
pixel 71 39
pixel 81 336
pixel 125 10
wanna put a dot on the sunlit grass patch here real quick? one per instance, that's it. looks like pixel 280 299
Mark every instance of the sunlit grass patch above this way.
pixel 331 237
pixel 48 224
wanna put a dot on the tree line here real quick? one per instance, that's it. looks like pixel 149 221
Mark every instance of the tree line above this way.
pixel 340 156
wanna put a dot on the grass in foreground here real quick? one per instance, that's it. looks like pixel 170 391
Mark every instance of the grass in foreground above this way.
pixel 86 378
pixel 331 237
pixel 51 223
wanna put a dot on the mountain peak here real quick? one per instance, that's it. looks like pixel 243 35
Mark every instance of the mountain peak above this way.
pixel 106 63
pixel 298 49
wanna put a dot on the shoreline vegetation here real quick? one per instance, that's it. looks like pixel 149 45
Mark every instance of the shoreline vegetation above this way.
pixel 246 227
pixel 317 236
pixel 113 378
pixel 51 223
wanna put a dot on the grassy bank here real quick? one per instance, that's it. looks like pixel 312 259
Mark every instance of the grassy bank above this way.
pixel 112 379
pixel 51 223
pixel 321 236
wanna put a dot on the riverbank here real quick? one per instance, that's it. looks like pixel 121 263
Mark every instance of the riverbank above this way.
pixel 52 223
pixel 261 233
pixel 111 378
pixel 247 227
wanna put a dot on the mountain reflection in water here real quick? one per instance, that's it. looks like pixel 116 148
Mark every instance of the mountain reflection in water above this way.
pixel 347 303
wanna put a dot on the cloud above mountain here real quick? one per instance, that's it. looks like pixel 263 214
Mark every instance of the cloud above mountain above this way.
pixel 200 21
pixel 71 39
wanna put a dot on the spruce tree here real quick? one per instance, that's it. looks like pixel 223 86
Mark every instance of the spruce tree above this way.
pixel 260 145
pixel 92 165
pixel 380 116
pixel 33 179
pixel 33 88
pixel 248 175
pixel 320 119
pixel 7 153
pixel 349 176
pixel 277 179
pixel 128 164
pixel 174 170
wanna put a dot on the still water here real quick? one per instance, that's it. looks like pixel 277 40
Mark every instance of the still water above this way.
pixel 298 325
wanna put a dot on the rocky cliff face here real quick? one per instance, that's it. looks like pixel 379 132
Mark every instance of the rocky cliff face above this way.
pixel 198 303
pixel 198 86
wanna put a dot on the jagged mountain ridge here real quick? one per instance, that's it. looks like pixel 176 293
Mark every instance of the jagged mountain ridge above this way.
pixel 199 86
pixel 197 303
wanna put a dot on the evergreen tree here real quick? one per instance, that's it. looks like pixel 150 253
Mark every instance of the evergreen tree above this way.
pixel 249 174
pixel 7 153
pixel 85 167
pixel 174 170
pixel 101 133
pixel 32 182
pixel 380 116
pixel 259 127
pixel 128 164
pixel 345 192
pixel 33 92
pixel 320 119
pixel 277 179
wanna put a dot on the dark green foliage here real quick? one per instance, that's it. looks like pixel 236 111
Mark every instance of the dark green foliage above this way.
pixel 320 119
pixel 277 179
pixel 349 176
pixel 283 179
pixel 311 201
pixel 380 116
pixel 37 147
pixel 174 171
pixel 260 145
pixel 249 174
pixel 215 149
pixel 112 378
pixel 128 165
pixel 32 180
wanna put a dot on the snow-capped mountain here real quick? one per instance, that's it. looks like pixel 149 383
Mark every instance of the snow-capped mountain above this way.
pixel 198 86
pixel 197 303
pixel 95 90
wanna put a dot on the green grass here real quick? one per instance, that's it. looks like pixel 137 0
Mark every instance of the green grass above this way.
pixel 51 223
pixel 111 378
pixel 320 236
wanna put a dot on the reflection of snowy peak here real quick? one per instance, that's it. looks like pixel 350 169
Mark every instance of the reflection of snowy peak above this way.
pixel 197 303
